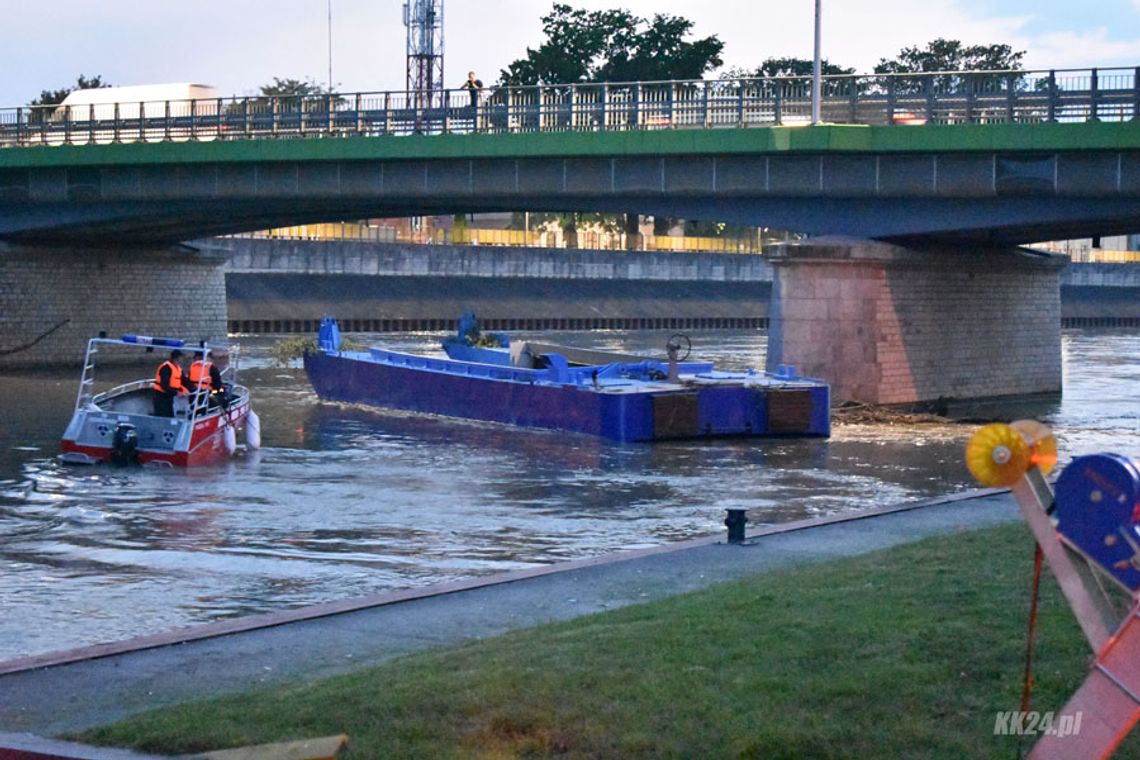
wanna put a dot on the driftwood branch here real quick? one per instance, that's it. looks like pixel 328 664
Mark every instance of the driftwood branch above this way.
pixel 29 344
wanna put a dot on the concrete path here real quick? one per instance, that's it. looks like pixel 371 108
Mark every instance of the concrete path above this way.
pixel 71 691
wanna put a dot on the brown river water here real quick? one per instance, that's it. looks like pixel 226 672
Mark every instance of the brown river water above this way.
pixel 346 501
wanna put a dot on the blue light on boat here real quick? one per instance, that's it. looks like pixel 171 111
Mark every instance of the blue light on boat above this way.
pixel 147 340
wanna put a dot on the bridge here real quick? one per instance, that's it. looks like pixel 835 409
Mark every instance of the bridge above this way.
pixel 947 171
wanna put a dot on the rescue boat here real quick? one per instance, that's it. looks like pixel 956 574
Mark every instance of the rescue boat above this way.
pixel 118 425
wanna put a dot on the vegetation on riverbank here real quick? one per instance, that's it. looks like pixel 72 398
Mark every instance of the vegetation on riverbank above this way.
pixel 909 652
pixel 288 350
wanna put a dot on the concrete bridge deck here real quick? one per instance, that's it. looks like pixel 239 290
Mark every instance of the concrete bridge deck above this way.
pixel 1001 183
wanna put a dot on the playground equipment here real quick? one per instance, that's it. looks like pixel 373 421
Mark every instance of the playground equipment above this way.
pixel 1088 530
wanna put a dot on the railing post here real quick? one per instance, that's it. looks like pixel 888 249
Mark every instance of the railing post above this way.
pixel 142 121
pixel 635 116
pixel 273 119
pixel 890 100
pixel 1094 95
pixel 777 102
pixel 166 122
pixel 246 128
pixel 218 119
pixel 1136 93
pixel 971 98
pixel 1011 99
pixel 193 119
pixel 1053 95
pixel 19 123
pixel 571 114
pixel 740 104
pixel 91 124
pixel 387 112
pixel 672 105
pixel 705 116
pixel 853 97
pixel 331 120
pixel 605 106
pixel 67 125
pixel 358 125
pixel 930 100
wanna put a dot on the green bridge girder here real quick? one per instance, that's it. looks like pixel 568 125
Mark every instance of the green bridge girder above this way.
pixel 1007 183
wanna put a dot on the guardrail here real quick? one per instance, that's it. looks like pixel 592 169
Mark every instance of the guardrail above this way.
pixel 586 239
pixel 957 97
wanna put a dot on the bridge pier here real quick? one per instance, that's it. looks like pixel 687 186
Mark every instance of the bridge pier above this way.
pixel 891 325
pixel 53 298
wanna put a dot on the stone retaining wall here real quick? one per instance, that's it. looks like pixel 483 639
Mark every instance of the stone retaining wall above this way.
pixel 52 300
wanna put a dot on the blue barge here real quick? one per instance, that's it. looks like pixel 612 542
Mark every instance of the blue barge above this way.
pixel 618 397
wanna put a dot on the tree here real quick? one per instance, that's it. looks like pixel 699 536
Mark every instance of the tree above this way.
pixel 293 94
pixel 45 104
pixel 787 67
pixel 55 97
pixel 612 46
pixel 952 56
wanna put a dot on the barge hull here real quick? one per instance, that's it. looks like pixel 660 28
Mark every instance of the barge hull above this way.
pixel 683 413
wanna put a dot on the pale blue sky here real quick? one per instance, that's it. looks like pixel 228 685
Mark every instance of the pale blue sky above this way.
pixel 241 44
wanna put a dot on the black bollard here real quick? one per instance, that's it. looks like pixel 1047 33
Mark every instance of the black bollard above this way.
pixel 736 520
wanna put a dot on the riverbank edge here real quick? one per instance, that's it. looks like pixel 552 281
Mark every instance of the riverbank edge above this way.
pixel 355 604
pixel 66 693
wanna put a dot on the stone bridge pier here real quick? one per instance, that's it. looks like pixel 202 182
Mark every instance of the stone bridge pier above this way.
pixel 886 324
pixel 53 298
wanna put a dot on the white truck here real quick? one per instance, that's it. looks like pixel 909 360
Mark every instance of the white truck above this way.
pixel 179 111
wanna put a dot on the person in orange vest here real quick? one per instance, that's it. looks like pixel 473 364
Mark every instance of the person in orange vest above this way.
pixel 204 374
pixel 168 384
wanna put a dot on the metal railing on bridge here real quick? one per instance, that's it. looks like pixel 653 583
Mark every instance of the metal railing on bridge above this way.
pixel 586 239
pixel 957 97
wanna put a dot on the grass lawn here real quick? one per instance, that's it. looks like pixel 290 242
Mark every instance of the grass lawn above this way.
pixel 908 652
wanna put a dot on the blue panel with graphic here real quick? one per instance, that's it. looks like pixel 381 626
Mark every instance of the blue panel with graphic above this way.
pixel 1098 512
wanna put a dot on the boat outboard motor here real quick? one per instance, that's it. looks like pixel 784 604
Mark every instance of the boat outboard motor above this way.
pixel 125 445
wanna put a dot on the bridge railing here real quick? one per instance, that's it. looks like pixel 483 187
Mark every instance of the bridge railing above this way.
pixel 956 97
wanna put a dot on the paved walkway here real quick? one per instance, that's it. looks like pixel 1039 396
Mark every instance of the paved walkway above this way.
pixel 66 692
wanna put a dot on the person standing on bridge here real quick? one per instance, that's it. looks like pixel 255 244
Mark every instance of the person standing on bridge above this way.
pixel 474 87
pixel 168 384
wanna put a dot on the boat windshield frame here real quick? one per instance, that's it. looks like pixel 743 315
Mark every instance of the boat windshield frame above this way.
pixel 195 411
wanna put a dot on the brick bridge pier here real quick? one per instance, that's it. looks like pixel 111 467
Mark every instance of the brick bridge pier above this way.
pixel 891 325
pixel 54 298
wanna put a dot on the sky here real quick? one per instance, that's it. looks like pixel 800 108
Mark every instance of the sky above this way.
pixel 238 45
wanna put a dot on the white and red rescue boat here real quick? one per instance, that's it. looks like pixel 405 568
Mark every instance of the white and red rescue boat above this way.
pixel 118 425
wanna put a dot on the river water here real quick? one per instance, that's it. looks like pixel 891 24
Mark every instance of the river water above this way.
pixel 345 501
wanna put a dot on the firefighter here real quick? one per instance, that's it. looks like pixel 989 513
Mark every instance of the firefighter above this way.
pixel 168 384
pixel 205 374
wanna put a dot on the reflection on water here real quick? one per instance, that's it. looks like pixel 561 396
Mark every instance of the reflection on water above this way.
pixel 344 501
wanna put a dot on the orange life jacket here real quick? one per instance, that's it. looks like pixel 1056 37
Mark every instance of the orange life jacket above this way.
pixel 175 377
pixel 200 373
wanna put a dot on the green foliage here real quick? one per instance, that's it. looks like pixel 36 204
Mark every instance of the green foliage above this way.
pixel 55 97
pixel 786 67
pixel 289 350
pixel 613 46
pixel 290 95
pixel 952 56
pixel 904 653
